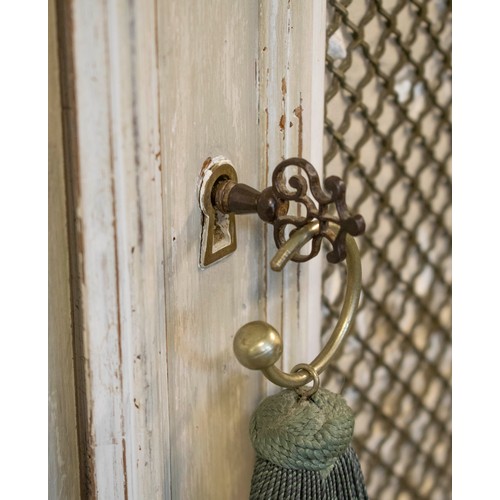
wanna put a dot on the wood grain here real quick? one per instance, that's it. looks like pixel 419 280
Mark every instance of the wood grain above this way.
pixel 118 211
pixel 291 74
pixel 64 481
pixel 208 53
pixel 159 87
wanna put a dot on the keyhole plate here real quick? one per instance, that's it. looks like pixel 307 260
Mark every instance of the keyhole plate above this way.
pixel 218 234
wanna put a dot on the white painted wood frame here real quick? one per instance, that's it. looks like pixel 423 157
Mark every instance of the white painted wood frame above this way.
pixel 158 87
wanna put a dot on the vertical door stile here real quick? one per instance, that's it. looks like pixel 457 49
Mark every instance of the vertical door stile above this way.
pixel 63 460
pixel 273 37
pixel 98 364
pixel 314 139
pixel 291 74
pixel 117 210
pixel 308 61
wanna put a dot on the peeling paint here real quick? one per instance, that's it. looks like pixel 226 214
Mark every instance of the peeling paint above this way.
pixel 298 113
pixel 282 122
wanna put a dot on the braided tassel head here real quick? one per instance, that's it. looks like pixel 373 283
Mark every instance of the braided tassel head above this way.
pixel 303 448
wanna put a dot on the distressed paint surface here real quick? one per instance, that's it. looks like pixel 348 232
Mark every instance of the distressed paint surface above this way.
pixel 209 108
pixel 291 74
pixel 118 209
pixel 161 86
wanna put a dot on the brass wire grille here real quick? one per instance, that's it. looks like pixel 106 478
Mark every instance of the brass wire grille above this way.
pixel 388 135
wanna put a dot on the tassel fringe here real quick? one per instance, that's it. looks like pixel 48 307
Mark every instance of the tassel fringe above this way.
pixel 344 482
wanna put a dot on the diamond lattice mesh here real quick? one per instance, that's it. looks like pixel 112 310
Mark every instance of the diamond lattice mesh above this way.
pixel 388 135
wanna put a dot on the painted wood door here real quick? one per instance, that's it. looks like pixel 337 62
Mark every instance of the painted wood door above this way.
pixel 151 89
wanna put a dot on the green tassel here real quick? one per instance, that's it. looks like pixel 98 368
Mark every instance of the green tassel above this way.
pixel 303 449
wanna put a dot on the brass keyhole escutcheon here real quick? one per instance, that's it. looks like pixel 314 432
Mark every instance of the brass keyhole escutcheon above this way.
pixel 218 238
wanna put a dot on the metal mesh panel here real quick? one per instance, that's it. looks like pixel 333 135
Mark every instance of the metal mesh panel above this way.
pixel 388 135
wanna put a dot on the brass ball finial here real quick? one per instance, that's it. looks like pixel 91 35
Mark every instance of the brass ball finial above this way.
pixel 257 345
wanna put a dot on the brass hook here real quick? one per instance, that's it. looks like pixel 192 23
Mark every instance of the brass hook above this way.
pixel 301 391
pixel 258 345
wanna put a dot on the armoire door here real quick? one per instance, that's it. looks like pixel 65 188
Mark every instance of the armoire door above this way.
pixel 150 90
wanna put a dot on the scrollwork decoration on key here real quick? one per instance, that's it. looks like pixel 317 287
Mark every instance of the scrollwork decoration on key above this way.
pixel 273 204
pixel 316 209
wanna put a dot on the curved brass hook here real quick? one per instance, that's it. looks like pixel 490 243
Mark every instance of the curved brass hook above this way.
pixel 257 345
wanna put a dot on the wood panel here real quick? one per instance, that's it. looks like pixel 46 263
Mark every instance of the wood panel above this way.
pixel 116 177
pixel 226 92
pixel 64 481
pixel 208 56
pixel 291 82
pixel 159 87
